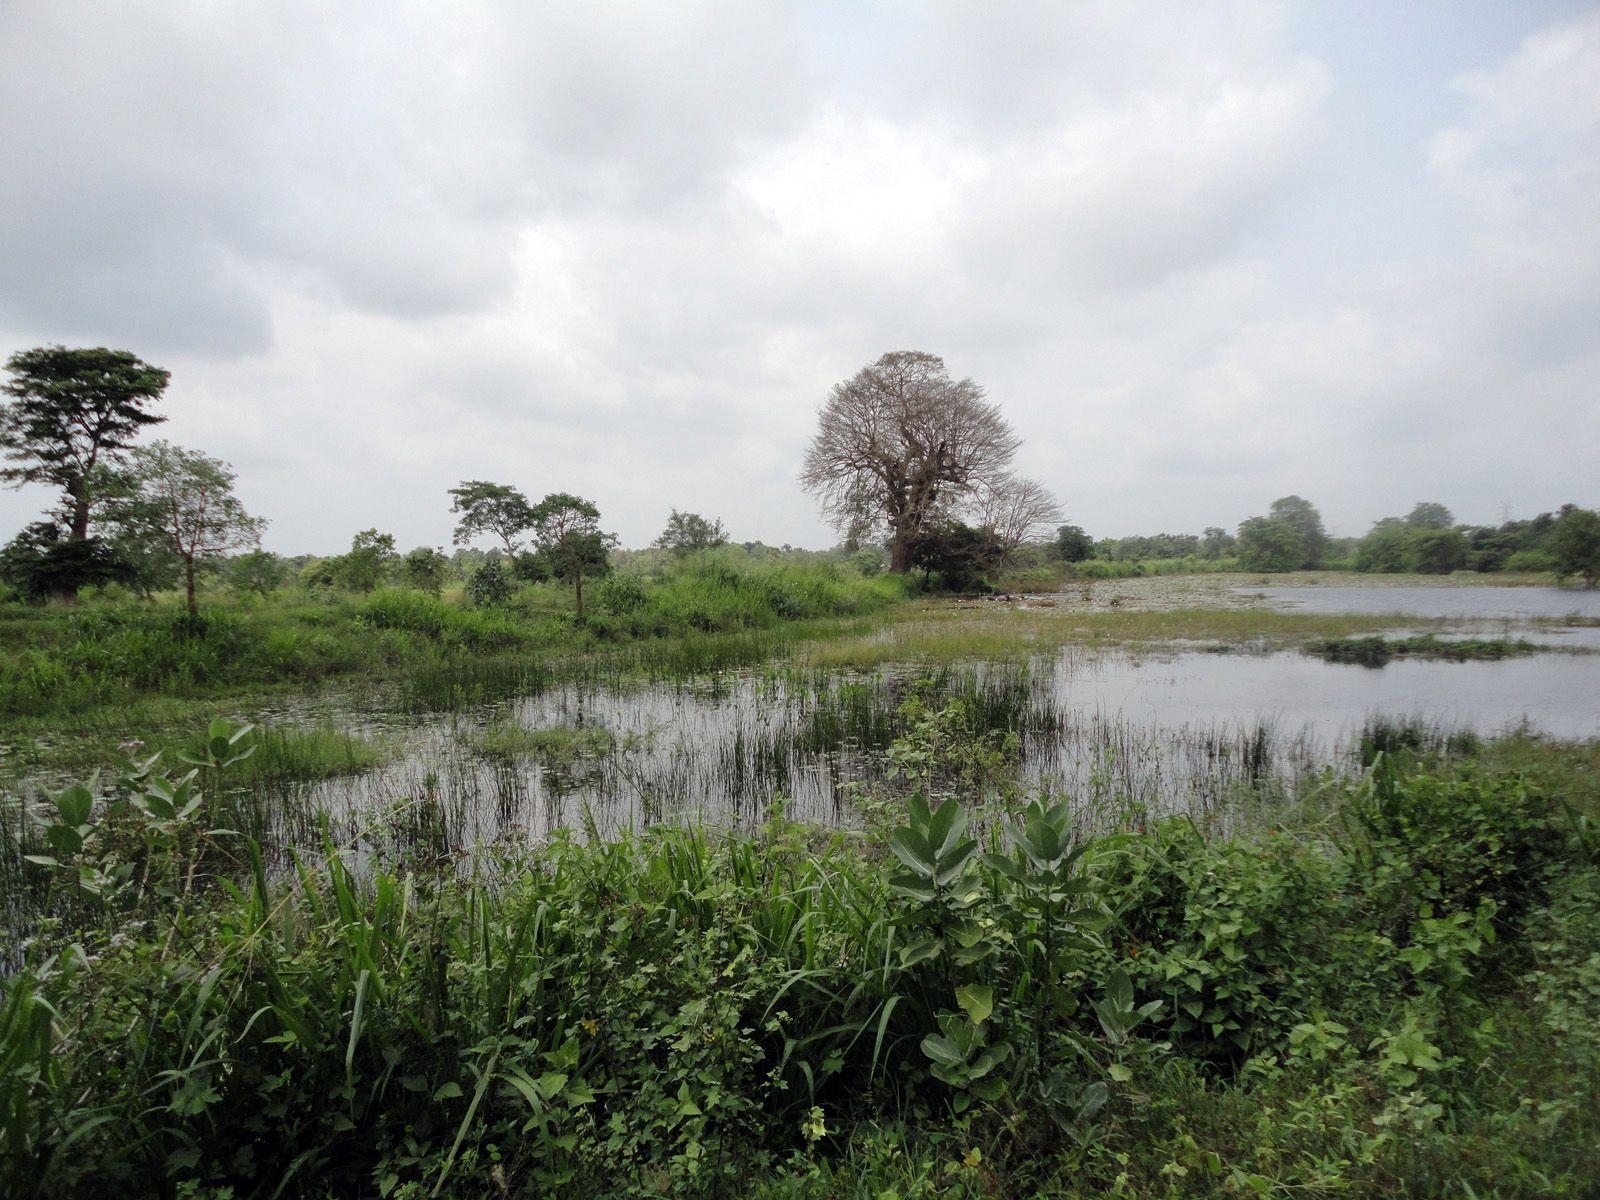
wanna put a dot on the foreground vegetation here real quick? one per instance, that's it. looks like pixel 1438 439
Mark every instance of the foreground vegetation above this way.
pixel 1388 989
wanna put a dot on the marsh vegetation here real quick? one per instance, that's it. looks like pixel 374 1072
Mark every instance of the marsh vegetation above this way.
pixel 926 898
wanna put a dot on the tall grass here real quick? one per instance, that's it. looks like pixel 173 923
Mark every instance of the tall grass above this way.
pixel 445 653
pixel 675 1012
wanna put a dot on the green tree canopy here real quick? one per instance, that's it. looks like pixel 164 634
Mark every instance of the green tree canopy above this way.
pixel 370 559
pixel 1073 544
pixel 1575 542
pixel 188 497
pixel 687 532
pixel 74 413
pixel 567 529
pixel 425 569
pixel 1426 514
pixel 41 562
pixel 1302 516
pixel 1271 544
pixel 491 508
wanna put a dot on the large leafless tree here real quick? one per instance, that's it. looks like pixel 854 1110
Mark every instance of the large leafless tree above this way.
pixel 901 445
pixel 1015 510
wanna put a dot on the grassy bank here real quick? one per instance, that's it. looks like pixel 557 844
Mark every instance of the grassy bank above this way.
pixel 1390 989
pixel 60 662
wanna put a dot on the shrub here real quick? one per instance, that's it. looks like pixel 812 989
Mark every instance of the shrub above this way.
pixel 488 586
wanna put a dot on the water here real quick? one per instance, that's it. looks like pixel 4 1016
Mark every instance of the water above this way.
pixel 1466 603
pixel 1167 731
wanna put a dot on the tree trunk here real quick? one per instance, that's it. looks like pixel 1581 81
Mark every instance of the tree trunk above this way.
pixel 188 565
pixel 80 515
pixel 900 553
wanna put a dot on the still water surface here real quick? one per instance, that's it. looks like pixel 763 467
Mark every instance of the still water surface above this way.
pixel 1166 731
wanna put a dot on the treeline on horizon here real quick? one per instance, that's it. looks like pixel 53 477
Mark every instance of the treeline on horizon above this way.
pixel 1291 537
pixel 152 516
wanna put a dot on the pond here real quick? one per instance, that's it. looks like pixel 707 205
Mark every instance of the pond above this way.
pixel 1180 730
pixel 1171 731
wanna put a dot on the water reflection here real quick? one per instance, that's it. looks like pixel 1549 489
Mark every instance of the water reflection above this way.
pixel 1166 732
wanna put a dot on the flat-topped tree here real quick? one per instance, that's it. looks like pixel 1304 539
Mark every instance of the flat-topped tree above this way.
pixel 901 447
pixel 73 415
pixel 492 508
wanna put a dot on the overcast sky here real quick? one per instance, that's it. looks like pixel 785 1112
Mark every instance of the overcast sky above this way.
pixel 1201 255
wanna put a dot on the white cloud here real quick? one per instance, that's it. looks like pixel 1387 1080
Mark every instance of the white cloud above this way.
pixel 625 250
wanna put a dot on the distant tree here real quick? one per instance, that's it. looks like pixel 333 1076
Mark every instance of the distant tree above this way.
pixel 1302 516
pixel 1428 515
pixel 1437 551
pixel 367 563
pixel 188 496
pixel 567 529
pixel 491 508
pixel 687 532
pixel 425 569
pixel 1073 544
pixel 1575 542
pixel 73 414
pixel 1271 544
pixel 900 447
pixel 1388 548
pixel 1158 545
pixel 489 586
pixel 1013 511
pixel 1216 543
pixel 258 571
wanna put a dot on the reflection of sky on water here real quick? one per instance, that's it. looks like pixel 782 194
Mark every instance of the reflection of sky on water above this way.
pixel 1174 731
pixel 1476 603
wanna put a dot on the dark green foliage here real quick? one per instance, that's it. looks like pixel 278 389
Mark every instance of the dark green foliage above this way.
pixel 1575 543
pixel 1216 542
pixel 41 562
pixel 258 571
pixel 1267 544
pixel 570 540
pixel 367 563
pixel 961 556
pixel 1414 545
pixel 687 532
pixel 1375 651
pixel 425 569
pixel 73 415
pixel 1073 544
pixel 1429 515
pixel 1159 545
pixel 489 586
pixel 1302 516
pixel 1402 1002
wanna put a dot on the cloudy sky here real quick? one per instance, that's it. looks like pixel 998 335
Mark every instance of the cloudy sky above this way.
pixel 1201 255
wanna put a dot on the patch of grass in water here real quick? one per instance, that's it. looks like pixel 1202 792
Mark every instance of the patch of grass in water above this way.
pixel 947 634
pixel 558 746
pixel 1375 651
pixel 1413 737
pixel 318 752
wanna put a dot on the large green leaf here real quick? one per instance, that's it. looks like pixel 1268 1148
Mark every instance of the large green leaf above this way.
pixel 976 1000
pixel 74 804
